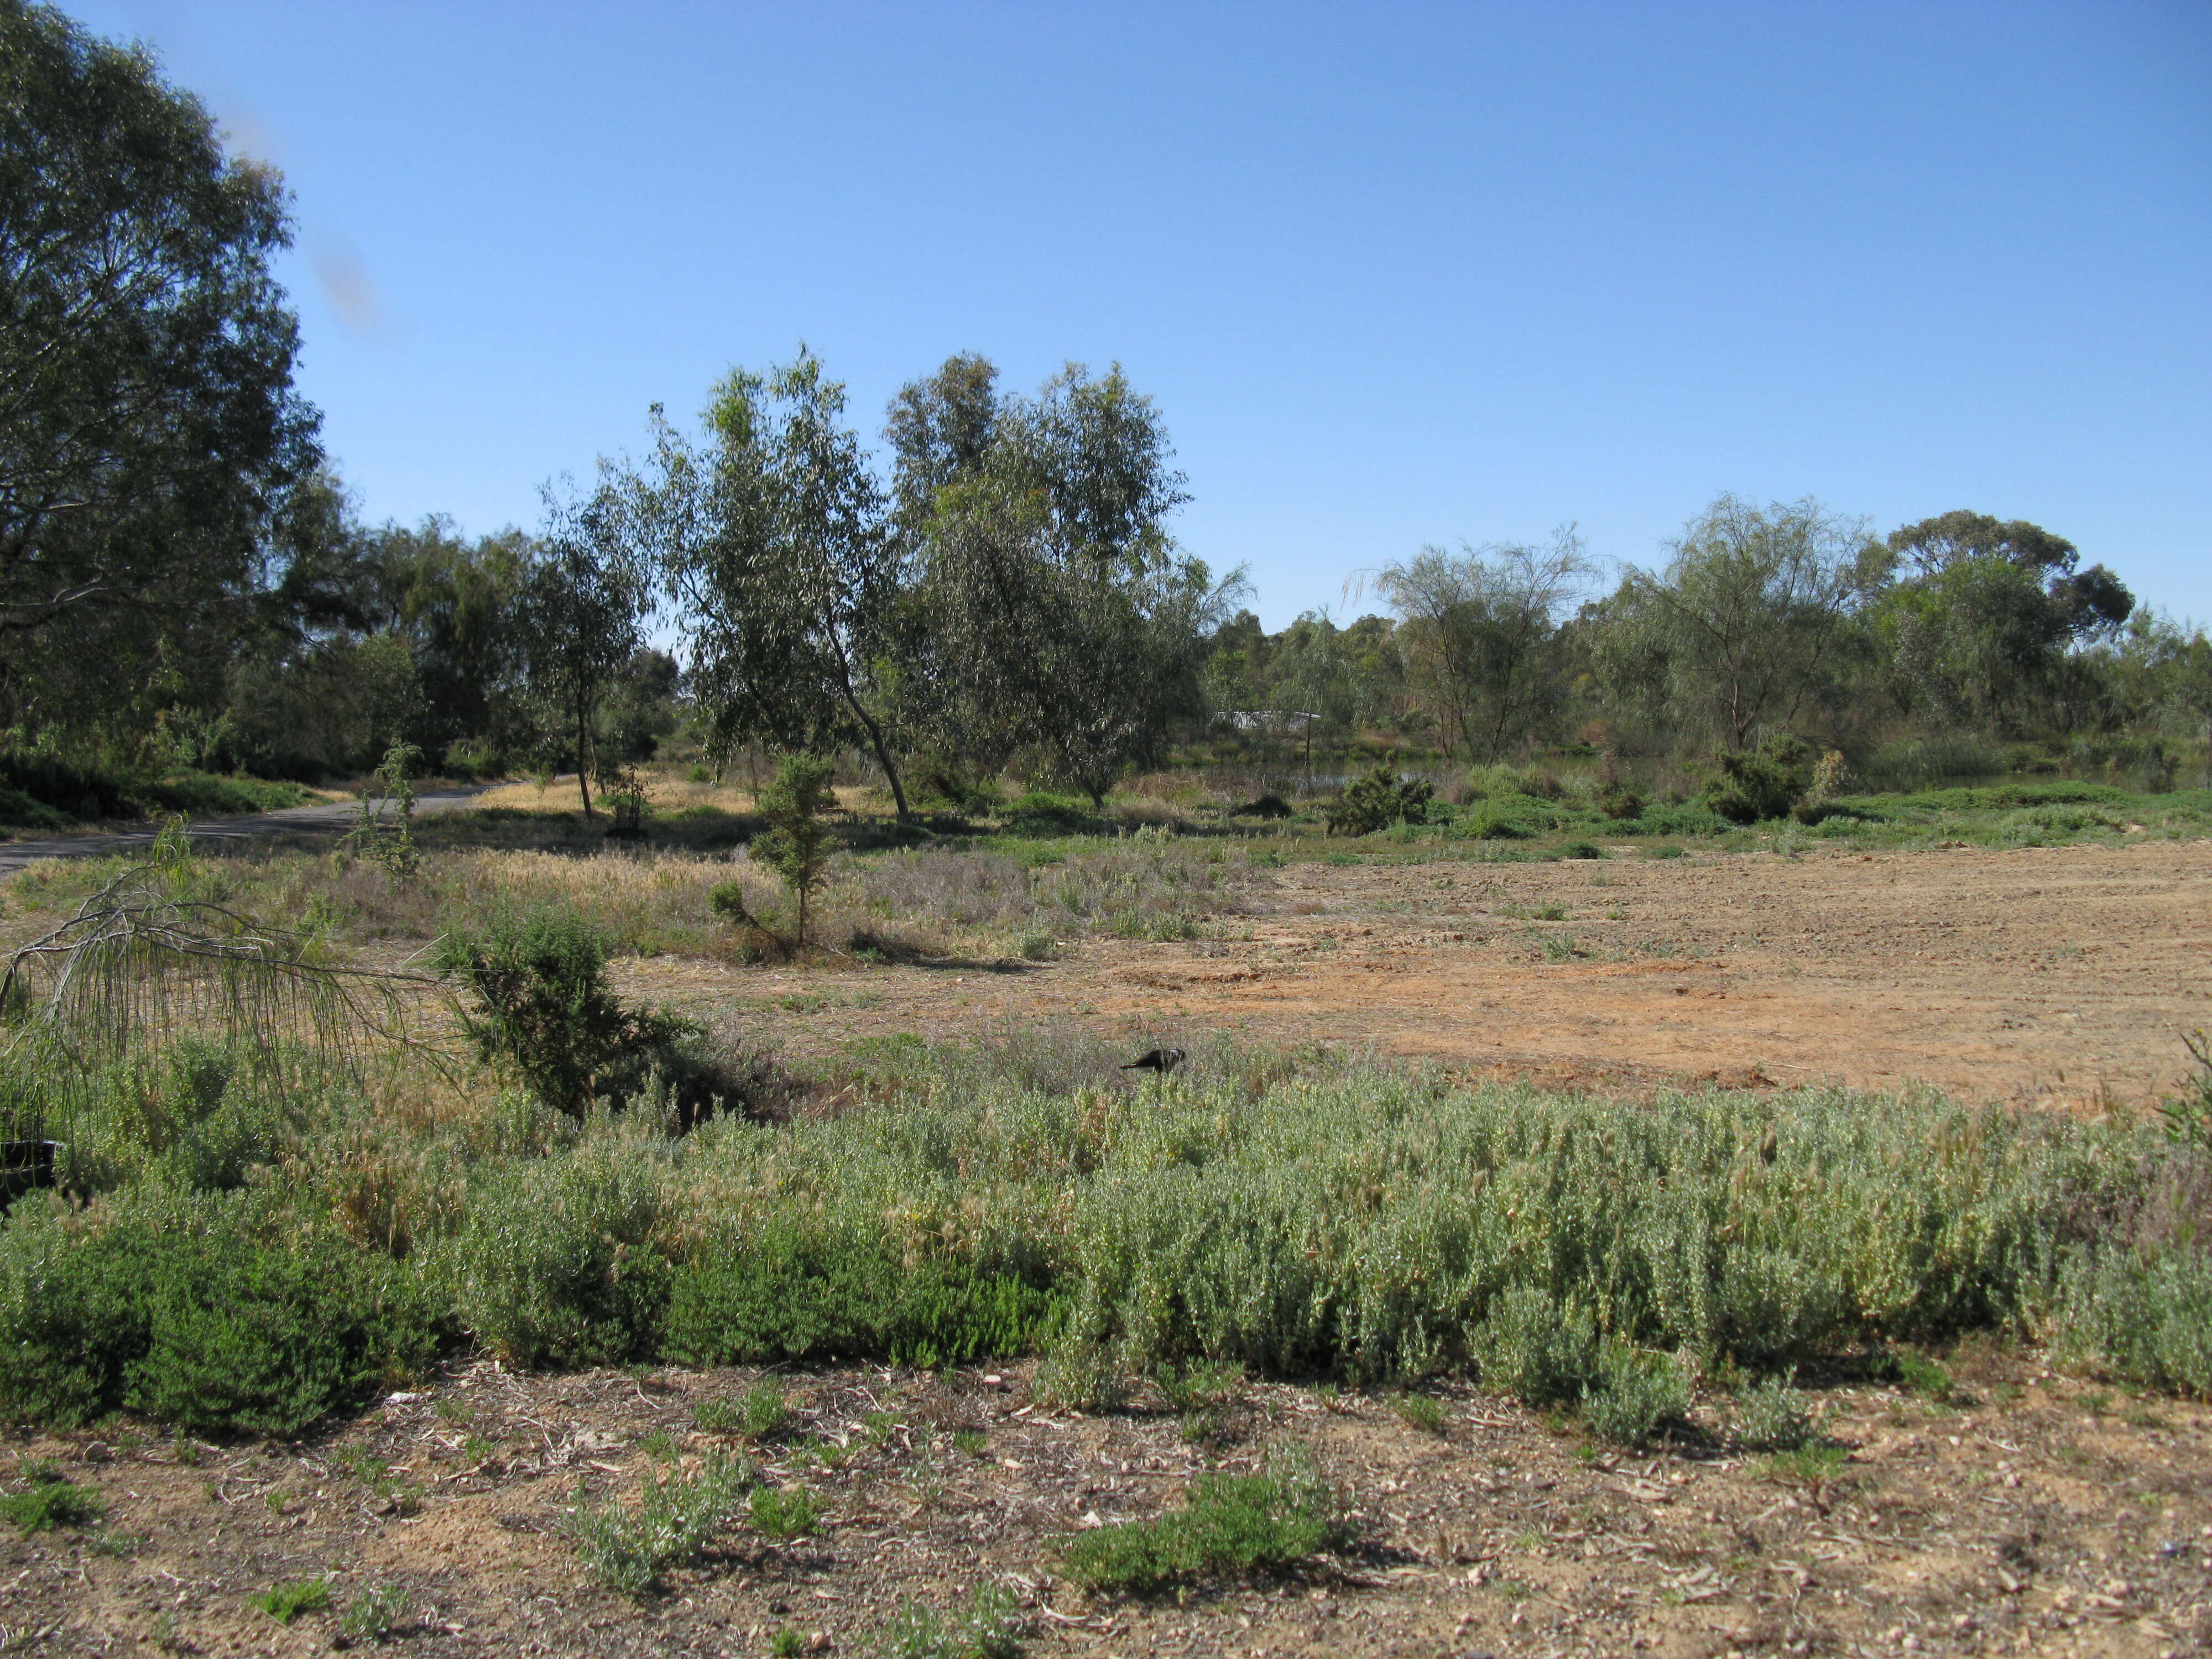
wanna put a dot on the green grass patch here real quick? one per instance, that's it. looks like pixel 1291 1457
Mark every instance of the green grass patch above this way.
pixel 1229 1526
pixel 50 1503
pixel 285 1602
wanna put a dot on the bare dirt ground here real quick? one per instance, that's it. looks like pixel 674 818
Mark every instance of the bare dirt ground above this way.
pixel 2027 1516
pixel 2058 974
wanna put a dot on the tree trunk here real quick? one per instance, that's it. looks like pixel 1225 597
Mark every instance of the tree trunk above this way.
pixel 883 754
pixel 583 755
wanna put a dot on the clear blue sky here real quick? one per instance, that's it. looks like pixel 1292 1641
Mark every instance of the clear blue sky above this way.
pixel 1395 274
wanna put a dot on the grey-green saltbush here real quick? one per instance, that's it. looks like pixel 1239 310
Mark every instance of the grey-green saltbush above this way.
pixel 2146 1315
pixel 561 1261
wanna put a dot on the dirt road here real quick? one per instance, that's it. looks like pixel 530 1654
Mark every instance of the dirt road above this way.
pixel 2065 973
pixel 325 818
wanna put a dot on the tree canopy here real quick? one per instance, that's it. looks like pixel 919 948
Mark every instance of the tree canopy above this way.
pixel 150 437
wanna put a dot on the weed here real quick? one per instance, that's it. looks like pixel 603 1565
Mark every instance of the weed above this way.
pixel 717 1416
pixel 658 1445
pixel 1637 1394
pixel 1202 1383
pixel 762 1410
pixel 375 1614
pixel 987 1626
pixel 1230 1525
pixel 1664 850
pixel 1037 945
pixel 1419 1411
pixel 1772 1416
pixel 787 1644
pixel 626 1549
pixel 50 1501
pixel 786 1513
pixel 1813 1466
pixel 1084 1376
pixel 285 1602
pixel 1923 1376
pixel 969 1442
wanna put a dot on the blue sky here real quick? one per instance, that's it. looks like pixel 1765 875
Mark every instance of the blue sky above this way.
pixel 1396 275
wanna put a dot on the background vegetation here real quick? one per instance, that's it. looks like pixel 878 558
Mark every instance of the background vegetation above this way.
pixel 992 591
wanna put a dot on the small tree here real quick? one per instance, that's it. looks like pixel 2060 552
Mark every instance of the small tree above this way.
pixel 386 829
pixel 797 843
pixel 583 603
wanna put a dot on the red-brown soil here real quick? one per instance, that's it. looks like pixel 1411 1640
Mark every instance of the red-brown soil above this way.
pixel 2064 974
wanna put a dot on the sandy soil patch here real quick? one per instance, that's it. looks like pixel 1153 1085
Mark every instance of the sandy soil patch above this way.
pixel 2031 1516
pixel 2057 973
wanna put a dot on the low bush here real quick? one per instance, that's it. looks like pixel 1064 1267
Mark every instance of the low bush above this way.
pixel 1772 1416
pixel 1756 784
pixel 543 1006
pixel 987 1625
pixel 561 1260
pixel 201 1312
pixel 285 1602
pixel 1230 1525
pixel 1377 801
pixel 790 1292
pixel 1636 1394
pixel 626 1549
pixel 48 1502
pixel 2143 1315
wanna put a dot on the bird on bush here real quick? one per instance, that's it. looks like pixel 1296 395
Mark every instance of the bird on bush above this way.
pixel 1162 1060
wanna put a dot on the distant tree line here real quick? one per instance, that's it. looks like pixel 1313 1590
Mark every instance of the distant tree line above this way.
pixel 993 582
pixel 1761 622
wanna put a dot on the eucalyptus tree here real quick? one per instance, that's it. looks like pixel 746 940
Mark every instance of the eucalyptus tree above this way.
pixel 1479 633
pixel 1054 611
pixel 585 598
pixel 1982 623
pixel 775 545
pixel 1750 623
pixel 149 431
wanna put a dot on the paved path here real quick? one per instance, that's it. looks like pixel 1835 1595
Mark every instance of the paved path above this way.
pixel 330 818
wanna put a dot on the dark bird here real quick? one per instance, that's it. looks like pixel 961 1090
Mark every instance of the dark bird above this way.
pixel 1162 1060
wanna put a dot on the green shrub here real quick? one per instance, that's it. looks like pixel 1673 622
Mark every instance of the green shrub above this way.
pixel 1084 1376
pixel 542 1005
pixel 1540 1353
pixel 791 1291
pixel 50 1503
pixel 1922 1375
pixel 1040 814
pixel 1772 1416
pixel 375 1614
pixel 561 1261
pixel 796 844
pixel 1418 1411
pixel 1756 784
pixel 762 1412
pixel 785 1512
pixel 625 1549
pixel 2145 1315
pixel 1377 801
pixel 285 1602
pixel 191 1310
pixel 1230 1525
pixel 987 1626
pixel 1636 1394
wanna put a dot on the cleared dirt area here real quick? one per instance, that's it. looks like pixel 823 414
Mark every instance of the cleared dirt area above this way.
pixel 2026 1515
pixel 2062 974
